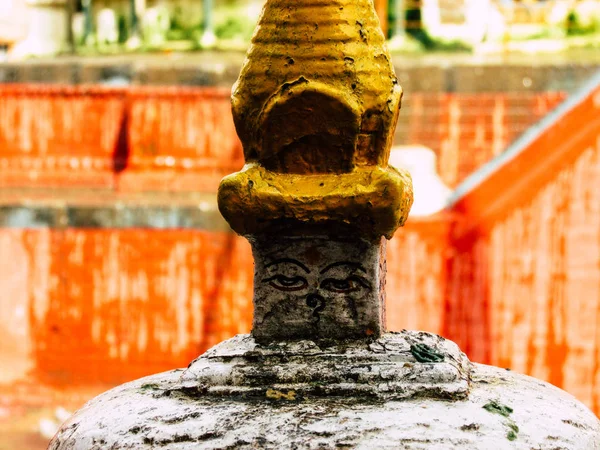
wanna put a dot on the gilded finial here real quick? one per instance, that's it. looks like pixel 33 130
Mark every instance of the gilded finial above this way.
pixel 315 107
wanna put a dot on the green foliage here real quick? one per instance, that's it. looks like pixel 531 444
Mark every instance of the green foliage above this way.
pixel 577 27
pixel 438 45
pixel 232 23
pixel 233 28
pixel 229 22
pixel 505 411
pixel 123 29
pixel 178 31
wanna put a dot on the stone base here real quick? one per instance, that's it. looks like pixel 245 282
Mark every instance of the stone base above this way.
pixel 208 407
pixel 385 368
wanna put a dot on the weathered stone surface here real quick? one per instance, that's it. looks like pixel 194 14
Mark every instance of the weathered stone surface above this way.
pixel 462 73
pixel 504 410
pixel 396 366
pixel 318 288
pixel 62 214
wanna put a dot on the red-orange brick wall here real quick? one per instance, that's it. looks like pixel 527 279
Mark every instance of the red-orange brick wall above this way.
pixel 127 139
pixel 105 306
pixel 517 288
pixel 524 281
pixel 467 130
pixel 183 139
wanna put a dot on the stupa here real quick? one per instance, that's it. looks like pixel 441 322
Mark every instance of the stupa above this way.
pixel 315 106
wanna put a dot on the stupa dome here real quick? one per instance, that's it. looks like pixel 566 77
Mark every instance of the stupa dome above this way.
pixel 315 108
pixel 302 395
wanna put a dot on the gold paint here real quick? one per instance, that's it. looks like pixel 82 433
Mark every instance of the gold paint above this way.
pixel 316 106
pixel 278 395
pixel 374 201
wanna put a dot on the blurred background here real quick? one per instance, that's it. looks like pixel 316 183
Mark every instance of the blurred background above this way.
pixel 115 129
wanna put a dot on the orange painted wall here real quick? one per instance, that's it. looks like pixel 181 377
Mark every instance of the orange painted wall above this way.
pixel 417 259
pixel 183 139
pixel 525 278
pixel 108 305
pixel 467 130
pixel 58 136
pixel 127 139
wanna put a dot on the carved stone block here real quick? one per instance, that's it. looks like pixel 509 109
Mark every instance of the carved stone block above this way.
pixel 318 288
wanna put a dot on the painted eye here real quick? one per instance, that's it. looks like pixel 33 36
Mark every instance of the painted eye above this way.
pixel 345 286
pixel 288 284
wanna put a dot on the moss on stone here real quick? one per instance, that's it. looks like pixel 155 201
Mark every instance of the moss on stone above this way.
pixel 497 408
pixel 426 354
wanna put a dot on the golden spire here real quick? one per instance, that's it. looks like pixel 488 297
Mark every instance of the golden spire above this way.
pixel 316 106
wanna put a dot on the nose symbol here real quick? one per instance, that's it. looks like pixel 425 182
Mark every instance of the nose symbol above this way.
pixel 316 302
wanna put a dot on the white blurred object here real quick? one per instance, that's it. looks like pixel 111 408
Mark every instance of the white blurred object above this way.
pixel 558 13
pixel 404 43
pixel 496 25
pixel 13 23
pixel 48 427
pixel 477 16
pixel 588 13
pixel 47 29
pixel 118 80
pixel 431 194
pixel 134 42
pixel 156 21
pixel 78 26
pixel 464 20
pixel 253 10
pixel 107 26
pixel 208 40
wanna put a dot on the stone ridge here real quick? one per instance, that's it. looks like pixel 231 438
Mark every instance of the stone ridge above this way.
pixel 502 411
pixel 396 366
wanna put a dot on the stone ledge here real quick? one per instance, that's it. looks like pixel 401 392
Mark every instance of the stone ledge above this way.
pixel 203 216
pixel 390 368
pixel 430 72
